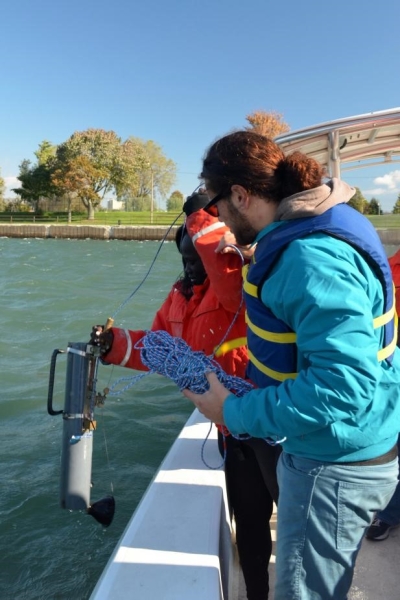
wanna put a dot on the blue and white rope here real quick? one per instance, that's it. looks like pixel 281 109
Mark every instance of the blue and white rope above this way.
pixel 171 357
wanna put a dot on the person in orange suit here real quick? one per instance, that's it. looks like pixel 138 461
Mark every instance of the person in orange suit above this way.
pixel 200 309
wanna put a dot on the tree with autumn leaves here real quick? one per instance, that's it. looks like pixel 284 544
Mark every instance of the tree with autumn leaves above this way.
pixel 76 177
pixel 93 163
pixel 269 123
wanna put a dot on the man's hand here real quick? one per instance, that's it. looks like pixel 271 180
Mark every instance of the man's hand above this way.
pixel 211 402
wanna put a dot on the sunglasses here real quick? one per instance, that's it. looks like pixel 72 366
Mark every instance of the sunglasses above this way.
pixel 211 208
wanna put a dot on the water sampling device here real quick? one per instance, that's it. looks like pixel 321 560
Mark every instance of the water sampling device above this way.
pixel 78 427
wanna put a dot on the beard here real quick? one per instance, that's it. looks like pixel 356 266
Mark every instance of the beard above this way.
pixel 244 233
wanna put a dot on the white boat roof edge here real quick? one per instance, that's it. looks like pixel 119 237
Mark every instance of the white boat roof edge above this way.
pixel 360 141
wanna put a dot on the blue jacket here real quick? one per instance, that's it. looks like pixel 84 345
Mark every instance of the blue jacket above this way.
pixel 344 403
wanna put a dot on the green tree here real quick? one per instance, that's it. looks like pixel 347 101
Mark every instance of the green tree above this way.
pixel 109 165
pixel 35 182
pixel 138 204
pixel 45 153
pixel 156 173
pixel 36 178
pixel 396 207
pixel 358 201
pixel 15 205
pixel 3 204
pixel 374 207
pixel 2 188
pixel 175 201
pixel 269 123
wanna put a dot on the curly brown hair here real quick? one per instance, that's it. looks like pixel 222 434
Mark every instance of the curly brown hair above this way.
pixel 258 164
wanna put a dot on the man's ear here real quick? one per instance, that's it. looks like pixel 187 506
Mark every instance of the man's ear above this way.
pixel 240 197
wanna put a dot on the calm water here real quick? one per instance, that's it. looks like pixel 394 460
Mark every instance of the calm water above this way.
pixel 52 291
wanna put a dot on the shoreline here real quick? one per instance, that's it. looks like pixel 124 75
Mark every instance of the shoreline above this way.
pixel 124 232
pixel 93 232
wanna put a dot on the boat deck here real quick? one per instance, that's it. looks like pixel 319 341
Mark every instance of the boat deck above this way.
pixel 376 576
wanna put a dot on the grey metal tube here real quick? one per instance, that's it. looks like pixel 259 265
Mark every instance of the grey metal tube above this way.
pixel 77 442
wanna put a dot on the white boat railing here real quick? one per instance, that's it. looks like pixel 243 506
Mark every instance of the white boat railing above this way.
pixel 178 543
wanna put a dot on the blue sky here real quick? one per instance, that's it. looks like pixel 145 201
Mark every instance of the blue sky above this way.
pixel 184 72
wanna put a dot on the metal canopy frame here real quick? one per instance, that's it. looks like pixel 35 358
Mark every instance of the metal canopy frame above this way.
pixel 361 141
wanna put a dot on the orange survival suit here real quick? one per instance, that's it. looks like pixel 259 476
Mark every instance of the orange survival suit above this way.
pixel 203 319
pixel 394 262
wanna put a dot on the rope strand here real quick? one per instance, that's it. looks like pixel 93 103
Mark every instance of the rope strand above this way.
pixel 121 306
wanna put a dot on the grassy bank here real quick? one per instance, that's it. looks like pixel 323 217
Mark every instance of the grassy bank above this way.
pixel 385 221
pixel 101 218
pixel 114 218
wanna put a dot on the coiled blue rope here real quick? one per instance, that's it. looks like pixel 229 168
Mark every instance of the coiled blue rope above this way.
pixel 171 357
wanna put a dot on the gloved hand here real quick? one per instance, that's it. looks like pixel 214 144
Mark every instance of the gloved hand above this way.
pixel 194 203
pixel 103 339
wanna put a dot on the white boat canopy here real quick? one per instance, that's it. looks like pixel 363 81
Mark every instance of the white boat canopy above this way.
pixel 361 141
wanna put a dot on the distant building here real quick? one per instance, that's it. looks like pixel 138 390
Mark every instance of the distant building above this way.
pixel 115 205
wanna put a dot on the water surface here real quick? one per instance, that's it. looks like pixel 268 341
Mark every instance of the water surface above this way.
pixel 52 292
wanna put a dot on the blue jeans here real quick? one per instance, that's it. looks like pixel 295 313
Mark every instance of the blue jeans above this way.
pixel 391 514
pixel 324 510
